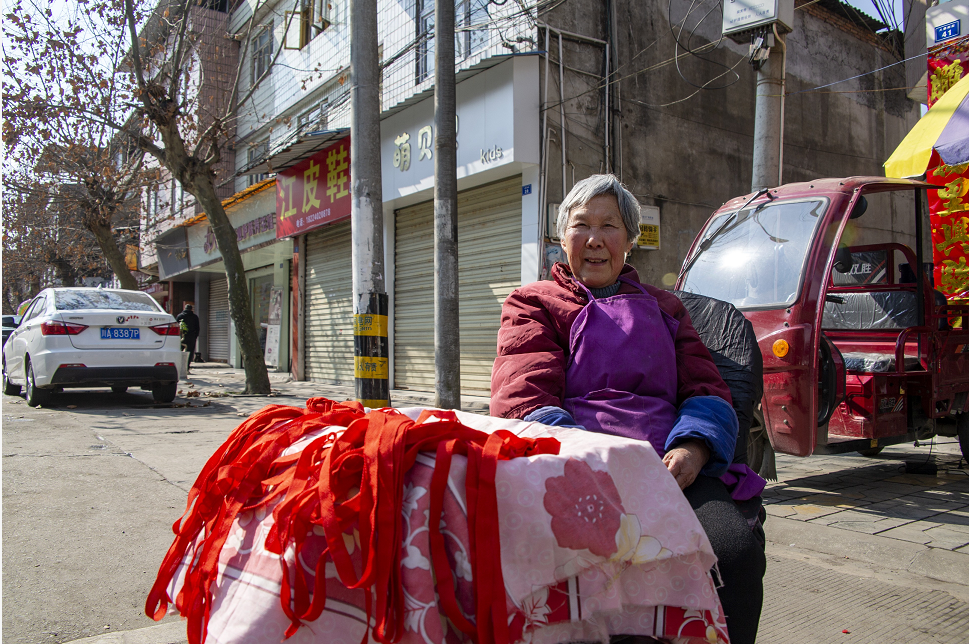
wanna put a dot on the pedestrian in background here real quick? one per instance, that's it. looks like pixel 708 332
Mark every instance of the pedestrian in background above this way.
pixel 188 322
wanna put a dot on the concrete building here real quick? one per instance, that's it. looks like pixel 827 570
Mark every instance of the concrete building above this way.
pixel 548 93
pixel 207 72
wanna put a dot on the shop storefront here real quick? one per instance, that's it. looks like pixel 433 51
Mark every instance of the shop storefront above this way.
pixel 267 264
pixel 313 206
pixel 498 230
pixel 489 268
pixel 498 220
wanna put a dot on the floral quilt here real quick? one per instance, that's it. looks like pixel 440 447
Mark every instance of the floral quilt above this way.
pixel 595 541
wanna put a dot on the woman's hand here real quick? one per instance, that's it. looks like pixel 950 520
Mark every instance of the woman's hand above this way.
pixel 686 460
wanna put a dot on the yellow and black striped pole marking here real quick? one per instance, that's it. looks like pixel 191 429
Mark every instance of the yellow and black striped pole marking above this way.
pixel 371 353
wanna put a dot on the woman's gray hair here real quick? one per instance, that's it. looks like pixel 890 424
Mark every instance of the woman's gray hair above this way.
pixel 600 184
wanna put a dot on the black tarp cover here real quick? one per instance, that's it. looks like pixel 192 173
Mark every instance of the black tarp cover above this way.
pixel 729 337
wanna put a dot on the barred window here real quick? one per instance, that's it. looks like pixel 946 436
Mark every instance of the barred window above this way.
pixel 256 153
pixel 262 52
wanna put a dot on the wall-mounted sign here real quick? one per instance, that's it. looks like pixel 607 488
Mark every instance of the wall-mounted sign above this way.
pixel 494 111
pixel 314 192
pixel 648 228
pixel 947 64
pixel 253 218
pixel 948 30
pixel 944 21
pixel 244 233
pixel 741 15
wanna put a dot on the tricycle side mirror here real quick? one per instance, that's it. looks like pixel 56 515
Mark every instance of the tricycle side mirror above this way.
pixel 843 260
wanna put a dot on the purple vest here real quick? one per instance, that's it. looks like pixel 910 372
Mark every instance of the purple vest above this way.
pixel 621 374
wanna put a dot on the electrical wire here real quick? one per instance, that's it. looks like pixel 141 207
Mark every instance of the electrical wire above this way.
pixel 874 71
pixel 677 45
pixel 697 91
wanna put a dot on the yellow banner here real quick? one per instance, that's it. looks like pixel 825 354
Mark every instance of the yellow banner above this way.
pixel 368 324
pixel 648 235
pixel 374 404
pixel 371 368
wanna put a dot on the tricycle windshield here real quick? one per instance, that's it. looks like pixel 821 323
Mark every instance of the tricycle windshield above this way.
pixel 754 258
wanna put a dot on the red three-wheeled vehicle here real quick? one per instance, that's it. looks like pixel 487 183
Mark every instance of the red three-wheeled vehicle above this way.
pixel 859 350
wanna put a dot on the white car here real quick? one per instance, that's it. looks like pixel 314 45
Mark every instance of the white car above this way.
pixel 92 337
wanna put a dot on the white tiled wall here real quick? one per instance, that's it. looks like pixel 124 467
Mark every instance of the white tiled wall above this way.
pixel 300 79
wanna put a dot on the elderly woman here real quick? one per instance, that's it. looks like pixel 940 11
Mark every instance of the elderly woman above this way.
pixel 595 348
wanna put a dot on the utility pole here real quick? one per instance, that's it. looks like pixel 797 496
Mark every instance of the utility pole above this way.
pixel 371 350
pixel 447 340
pixel 768 163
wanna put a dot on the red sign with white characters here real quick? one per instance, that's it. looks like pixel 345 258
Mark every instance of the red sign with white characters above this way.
pixel 314 192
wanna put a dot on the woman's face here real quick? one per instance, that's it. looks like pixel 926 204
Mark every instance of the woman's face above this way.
pixel 596 242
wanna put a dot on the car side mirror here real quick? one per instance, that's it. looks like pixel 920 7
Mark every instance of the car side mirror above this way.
pixel 10 320
pixel 843 260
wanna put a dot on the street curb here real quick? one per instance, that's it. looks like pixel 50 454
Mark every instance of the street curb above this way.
pixel 915 558
pixel 172 632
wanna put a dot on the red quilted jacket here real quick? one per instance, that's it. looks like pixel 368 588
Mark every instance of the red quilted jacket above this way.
pixel 533 345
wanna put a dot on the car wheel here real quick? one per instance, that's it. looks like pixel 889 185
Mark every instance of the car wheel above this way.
pixel 9 388
pixel 36 396
pixel 164 393
pixel 119 389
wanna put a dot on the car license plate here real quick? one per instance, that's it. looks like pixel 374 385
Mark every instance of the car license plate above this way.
pixel 119 333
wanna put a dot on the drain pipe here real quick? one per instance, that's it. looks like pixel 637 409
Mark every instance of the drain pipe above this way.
pixel 780 147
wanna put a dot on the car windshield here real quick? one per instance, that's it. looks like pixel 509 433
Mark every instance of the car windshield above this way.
pixel 104 300
pixel 754 258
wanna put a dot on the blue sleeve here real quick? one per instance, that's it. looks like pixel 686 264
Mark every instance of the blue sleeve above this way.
pixel 712 420
pixel 555 416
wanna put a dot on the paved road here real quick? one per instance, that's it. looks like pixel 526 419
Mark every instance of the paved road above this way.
pixel 92 486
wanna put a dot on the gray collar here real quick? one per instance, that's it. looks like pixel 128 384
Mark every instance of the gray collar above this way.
pixel 606 291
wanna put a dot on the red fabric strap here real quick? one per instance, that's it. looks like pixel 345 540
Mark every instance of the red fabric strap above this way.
pixel 339 482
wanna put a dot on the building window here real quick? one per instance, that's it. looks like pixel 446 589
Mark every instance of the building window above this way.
pixel 262 53
pixel 312 19
pixel 425 40
pixel 313 119
pixel 470 28
pixel 256 154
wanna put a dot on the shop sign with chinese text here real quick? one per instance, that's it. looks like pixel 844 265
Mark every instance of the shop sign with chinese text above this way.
pixel 314 192
pixel 494 125
pixel 253 219
pixel 948 63
pixel 949 216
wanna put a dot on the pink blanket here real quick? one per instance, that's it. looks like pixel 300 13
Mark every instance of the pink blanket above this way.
pixel 595 541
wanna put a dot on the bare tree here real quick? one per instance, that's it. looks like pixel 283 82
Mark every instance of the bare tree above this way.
pixel 42 244
pixel 42 133
pixel 147 73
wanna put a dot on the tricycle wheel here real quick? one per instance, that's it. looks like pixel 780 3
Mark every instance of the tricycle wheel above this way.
pixel 871 453
pixel 963 429
pixel 760 453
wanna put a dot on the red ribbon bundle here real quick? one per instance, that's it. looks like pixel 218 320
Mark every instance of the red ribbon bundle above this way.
pixel 353 481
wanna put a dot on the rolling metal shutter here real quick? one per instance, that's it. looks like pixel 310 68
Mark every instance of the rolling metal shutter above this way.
pixel 489 268
pixel 218 320
pixel 329 305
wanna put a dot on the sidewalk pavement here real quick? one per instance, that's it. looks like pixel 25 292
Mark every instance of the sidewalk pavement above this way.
pixel 218 377
pixel 858 549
